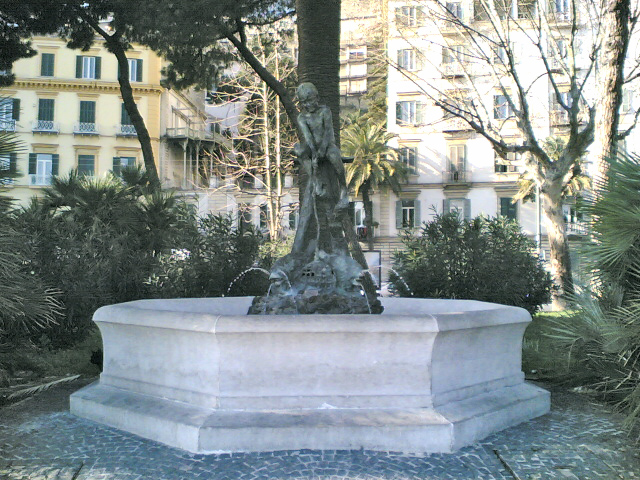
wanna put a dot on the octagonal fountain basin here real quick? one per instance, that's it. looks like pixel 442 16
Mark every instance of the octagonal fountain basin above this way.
pixel 201 375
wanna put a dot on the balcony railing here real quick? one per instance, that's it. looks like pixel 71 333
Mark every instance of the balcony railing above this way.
pixel 8 125
pixel 86 129
pixel 126 131
pixel 576 228
pixel 188 132
pixel 455 124
pixel 40 179
pixel 562 17
pixel 454 69
pixel 45 126
pixel 455 176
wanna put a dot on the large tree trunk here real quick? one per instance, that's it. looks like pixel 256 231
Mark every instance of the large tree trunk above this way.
pixel 615 35
pixel 560 260
pixel 319 53
pixel 134 114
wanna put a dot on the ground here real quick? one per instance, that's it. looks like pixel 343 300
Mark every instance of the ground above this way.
pixel 579 439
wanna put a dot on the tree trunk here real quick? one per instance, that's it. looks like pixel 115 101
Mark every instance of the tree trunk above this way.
pixel 368 213
pixel 134 114
pixel 560 260
pixel 319 53
pixel 615 35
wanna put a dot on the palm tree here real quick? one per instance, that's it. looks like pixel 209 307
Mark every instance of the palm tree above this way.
pixel 374 164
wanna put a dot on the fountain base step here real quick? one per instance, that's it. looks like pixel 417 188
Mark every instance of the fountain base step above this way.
pixel 443 429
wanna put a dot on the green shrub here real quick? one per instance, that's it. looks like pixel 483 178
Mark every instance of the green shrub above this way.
pixel 481 259
pixel 212 259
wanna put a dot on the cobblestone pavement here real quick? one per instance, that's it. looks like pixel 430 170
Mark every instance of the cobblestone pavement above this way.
pixel 40 440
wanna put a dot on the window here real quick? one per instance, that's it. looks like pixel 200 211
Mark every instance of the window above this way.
pixel 455 9
pixel 86 165
pixel 500 56
pixel 409 112
pixel 42 166
pixel 626 104
pixel 407 59
pixel 408 156
pixel 125 119
pixel 508 164
pixel 407 214
pixel 460 205
pixel 561 9
pixel 264 216
pixel 409 16
pixel 457 162
pixel 135 69
pixel 9 113
pixel 359 53
pixel 508 208
pixel 87 112
pixel 526 9
pixel 293 219
pixel 8 167
pixel 88 67
pixel 122 162
pixel 501 107
pixel 47 64
pixel 244 217
pixel 480 13
pixel 45 109
pixel 454 54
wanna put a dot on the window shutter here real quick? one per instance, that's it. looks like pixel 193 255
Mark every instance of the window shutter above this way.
pixel 116 166
pixel 33 162
pixel 446 206
pixel 79 66
pixel 467 209
pixel 118 77
pixel 398 112
pixel 16 109
pixel 463 163
pixel 98 67
pixel 139 70
pixel 13 162
pixel 418 218
pixel 399 214
pixel 55 164
pixel 420 109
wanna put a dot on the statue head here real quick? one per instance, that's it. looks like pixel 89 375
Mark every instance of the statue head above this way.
pixel 307 96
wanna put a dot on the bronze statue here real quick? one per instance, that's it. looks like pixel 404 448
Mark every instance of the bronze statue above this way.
pixel 319 275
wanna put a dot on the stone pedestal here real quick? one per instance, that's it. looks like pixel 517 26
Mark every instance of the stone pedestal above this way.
pixel 201 375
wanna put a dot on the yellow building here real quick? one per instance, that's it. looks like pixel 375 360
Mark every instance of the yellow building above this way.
pixel 66 108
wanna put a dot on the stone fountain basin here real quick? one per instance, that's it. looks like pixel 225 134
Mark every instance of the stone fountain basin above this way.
pixel 201 375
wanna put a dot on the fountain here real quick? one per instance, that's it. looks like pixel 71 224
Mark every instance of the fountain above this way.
pixel 319 372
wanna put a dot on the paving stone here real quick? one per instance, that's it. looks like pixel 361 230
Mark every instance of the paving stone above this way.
pixel 39 439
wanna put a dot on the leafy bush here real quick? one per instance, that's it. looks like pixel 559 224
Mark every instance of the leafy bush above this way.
pixel 481 259
pixel 212 259
pixel 102 241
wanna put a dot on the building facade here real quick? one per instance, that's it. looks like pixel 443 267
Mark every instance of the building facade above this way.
pixel 66 108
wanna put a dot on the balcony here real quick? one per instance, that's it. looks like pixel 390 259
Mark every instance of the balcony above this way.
pixel 40 180
pixel 7 125
pixel 85 129
pixel 454 69
pixel 577 228
pixel 562 17
pixel 455 124
pixel 189 133
pixel 455 177
pixel 45 126
pixel 126 131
